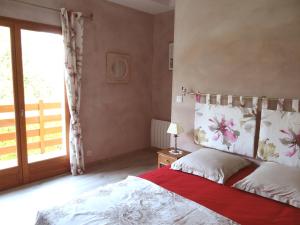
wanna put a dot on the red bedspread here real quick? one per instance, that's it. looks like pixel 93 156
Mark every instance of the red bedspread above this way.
pixel 242 207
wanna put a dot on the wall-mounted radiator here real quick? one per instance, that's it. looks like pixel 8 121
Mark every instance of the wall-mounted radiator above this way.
pixel 159 136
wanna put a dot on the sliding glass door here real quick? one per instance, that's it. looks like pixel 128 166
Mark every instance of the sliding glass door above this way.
pixel 33 118
pixel 43 82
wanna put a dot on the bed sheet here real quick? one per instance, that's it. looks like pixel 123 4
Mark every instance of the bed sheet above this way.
pixel 242 207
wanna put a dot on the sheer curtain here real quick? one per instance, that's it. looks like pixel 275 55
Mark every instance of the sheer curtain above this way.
pixel 72 30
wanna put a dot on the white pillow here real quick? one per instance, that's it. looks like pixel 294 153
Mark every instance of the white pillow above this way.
pixel 274 181
pixel 211 164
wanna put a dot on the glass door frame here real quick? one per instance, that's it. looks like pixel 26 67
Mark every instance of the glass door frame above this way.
pixel 25 172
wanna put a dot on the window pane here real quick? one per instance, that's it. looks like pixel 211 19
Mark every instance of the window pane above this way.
pixel 8 145
pixel 43 74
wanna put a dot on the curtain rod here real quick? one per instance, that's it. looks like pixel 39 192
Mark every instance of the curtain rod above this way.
pixel 90 17
pixel 191 92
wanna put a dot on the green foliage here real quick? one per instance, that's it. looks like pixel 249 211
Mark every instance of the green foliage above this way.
pixel 42 79
pixel 6 93
pixel 42 72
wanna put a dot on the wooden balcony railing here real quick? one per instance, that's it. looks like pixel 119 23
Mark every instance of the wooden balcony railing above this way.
pixel 40 127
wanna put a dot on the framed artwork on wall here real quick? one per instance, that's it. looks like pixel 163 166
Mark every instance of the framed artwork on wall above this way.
pixel 171 47
pixel 117 68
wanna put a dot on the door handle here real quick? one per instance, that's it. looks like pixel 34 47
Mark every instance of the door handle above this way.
pixel 22 112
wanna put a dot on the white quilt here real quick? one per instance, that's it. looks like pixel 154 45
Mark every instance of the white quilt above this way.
pixel 133 201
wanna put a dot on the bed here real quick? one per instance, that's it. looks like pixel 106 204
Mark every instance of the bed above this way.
pixel 177 198
pixel 241 207
pixel 132 201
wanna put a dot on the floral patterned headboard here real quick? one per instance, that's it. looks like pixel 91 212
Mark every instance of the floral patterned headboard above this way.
pixel 279 137
pixel 226 127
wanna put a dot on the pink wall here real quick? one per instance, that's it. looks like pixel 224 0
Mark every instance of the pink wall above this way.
pixel 234 47
pixel 115 118
pixel 161 75
pixel 125 110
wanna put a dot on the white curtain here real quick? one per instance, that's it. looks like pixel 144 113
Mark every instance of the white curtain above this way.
pixel 72 30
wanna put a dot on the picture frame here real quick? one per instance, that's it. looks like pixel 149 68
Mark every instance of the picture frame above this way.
pixel 117 68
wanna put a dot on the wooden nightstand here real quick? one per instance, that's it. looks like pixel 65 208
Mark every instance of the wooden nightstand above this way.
pixel 166 158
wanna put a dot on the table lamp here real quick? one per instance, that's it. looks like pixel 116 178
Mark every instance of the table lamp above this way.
pixel 175 129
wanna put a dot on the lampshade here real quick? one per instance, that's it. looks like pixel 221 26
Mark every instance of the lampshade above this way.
pixel 175 128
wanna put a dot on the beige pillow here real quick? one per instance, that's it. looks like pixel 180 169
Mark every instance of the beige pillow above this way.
pixel 274 181
pixel 211 164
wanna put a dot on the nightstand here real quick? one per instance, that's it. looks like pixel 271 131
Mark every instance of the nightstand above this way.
pixel 166 158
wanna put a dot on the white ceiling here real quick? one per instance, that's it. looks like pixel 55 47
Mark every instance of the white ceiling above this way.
pixel 148 6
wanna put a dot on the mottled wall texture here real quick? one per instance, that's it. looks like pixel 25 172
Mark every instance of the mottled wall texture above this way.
pixel 115 118
pixel 163 34
pixel 234 47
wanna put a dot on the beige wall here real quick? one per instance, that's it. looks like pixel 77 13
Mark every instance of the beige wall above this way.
pixel 163 34
pixel 234 47
pixel 115 118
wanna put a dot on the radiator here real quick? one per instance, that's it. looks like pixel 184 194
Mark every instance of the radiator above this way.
pixel 159 136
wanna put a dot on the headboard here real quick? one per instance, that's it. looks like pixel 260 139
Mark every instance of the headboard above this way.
pixel 240 125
